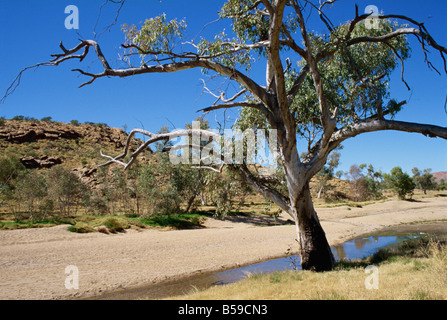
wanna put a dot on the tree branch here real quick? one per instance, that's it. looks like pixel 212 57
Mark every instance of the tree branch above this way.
pixel 250 178
pixel 270 193
pixel 197 62
pixel 327 123
pixel 258 106
pixel 431 131
pixel 152 139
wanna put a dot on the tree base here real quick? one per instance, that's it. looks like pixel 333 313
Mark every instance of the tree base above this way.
pixel 316 254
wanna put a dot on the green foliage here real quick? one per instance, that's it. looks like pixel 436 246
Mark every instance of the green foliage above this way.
pixel 424 180
pixel 156 35
pixel 116 225
pixel 81 227
pixel 164 185
pixel 342 83
pixel 10 169
pixel 18 118
pixel 65 188
pixel 23 118
pixel 179 221
pixel 249 24
pixel 400 182
pixel 250 118
pixel 221 49
pixel 441 185
pixel 227 191
pixel 373 181
pixel 358 183
pixel 94 202
pixel 327 173
pixel 30 190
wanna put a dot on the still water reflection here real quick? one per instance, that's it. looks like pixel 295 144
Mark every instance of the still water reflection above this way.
pixel 363 247
pixel 354 249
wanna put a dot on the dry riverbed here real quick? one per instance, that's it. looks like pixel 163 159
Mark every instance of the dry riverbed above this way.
pixel 33 262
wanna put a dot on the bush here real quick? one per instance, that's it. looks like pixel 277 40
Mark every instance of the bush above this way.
pixel 65 188
pixel 358 183
pixel 81 227
pixel 18 118
pixel 10 168
pixel 401 183
pixel 162 184
pixel 31 190
pixel 116 225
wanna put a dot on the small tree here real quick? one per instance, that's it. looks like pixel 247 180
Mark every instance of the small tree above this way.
pixel 31 190
pixel 373 181
pixel 425 180
pixel 358 183
pixel 441 185
pixel 339 174
pixel 10 169
pixel 401 183
pixel 327 172
pixel 65 188
pixel 162 185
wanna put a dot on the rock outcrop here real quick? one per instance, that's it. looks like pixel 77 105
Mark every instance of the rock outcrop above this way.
pixel 14 131
pixel 44 144
pixel 40 162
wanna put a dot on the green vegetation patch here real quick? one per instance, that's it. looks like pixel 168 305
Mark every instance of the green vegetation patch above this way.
pixel 33 223
pixel 114 224
pixel 181 221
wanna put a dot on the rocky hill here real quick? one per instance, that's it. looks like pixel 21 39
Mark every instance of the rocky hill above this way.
pixel 44 144
pixel 440 175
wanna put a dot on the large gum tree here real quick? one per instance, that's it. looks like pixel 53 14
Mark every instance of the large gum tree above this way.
pixel 321 87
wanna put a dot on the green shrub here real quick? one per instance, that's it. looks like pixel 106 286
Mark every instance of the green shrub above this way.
pixel 116 224
pixel 401 183
pixel 81 227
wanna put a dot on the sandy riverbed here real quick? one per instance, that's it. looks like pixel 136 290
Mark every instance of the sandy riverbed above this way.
pixel 33 261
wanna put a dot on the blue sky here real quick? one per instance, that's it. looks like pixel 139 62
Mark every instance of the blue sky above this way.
pixel 31 31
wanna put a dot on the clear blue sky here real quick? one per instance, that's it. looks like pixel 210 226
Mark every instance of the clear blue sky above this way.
pixel 31 30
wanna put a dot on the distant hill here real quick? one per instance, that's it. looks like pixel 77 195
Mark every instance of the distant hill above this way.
pixel 440 175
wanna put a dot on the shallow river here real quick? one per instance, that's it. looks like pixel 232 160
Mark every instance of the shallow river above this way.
pixel 353 249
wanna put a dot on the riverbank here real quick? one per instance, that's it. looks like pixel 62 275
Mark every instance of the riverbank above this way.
pixel 413 269
pixel 33 261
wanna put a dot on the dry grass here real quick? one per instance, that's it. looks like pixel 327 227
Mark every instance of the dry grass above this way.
pixel 416 274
